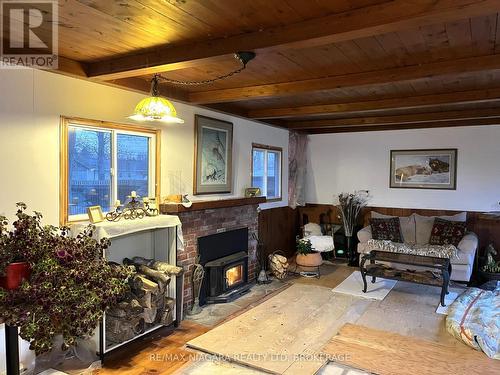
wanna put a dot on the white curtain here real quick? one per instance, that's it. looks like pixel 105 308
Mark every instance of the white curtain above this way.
pixel 297 163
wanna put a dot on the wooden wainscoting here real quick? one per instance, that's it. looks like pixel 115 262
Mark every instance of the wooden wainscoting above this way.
pixel 488 230
pixel 278 228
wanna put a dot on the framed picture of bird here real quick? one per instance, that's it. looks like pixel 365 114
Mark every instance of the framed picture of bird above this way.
pixel 213 154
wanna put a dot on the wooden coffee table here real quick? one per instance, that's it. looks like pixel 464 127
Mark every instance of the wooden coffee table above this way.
pixel 437 270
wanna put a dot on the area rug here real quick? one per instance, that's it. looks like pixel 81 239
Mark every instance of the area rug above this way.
pixel 448 300
pixel 284 334
pixel 353 286
pixel 385 353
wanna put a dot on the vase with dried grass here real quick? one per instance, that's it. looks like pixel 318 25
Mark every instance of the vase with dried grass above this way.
pixel 350 206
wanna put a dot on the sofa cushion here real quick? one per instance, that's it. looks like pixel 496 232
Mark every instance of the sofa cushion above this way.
pixel 424 224
pixel 407 224
pixel 445 232
pixel 386 229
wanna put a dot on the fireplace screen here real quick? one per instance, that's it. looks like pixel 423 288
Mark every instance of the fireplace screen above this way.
pixel 234 275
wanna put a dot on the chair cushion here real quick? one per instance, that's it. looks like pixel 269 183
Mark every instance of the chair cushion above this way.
pixel 312 229
pixel 386 229
pixel 321 244
pixel 424 224
pixel 407 224
pixel 445 232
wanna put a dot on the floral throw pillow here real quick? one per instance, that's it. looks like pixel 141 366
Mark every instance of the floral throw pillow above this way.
pixel 386 229
pixel 446 232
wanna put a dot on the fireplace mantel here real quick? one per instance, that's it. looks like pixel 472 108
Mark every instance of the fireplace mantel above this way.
pixel 176 208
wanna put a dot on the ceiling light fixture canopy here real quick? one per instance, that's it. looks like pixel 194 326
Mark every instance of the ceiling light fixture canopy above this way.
pixel 243 57
pixel 156 108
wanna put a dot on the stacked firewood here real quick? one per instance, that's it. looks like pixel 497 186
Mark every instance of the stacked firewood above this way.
pixel 146 305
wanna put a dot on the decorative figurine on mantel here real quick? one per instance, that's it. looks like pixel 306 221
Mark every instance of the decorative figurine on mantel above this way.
pixel 134 209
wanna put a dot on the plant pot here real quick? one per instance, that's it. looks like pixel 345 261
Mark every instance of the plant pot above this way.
pixel 309 260
pixel 15 273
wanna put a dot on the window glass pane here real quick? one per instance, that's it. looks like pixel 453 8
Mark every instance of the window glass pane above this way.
pixel 273 174
pixel 258 170
pixel 133 165
pixel 89 169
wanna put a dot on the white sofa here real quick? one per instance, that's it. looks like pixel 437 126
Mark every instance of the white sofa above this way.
pixel 416 229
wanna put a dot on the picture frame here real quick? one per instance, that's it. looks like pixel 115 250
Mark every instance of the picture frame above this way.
pixel 423 169
pixel 95 214
pixel 213 154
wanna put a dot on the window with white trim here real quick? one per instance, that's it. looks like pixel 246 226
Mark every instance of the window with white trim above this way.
pixel 266 170
pixel 105 164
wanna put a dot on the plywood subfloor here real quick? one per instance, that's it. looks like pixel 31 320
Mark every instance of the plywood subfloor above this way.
pixel 387 353
pixel 272 336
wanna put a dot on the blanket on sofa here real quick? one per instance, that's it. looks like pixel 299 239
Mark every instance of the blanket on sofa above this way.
pixel 474 318
pixel 438 251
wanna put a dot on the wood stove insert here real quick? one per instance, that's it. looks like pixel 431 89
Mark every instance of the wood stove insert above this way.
pixel 225 259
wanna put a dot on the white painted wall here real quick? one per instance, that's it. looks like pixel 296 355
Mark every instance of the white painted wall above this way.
pixel 354 161
pixel 31 103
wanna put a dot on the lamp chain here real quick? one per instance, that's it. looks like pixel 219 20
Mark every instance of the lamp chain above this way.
pixel 205 81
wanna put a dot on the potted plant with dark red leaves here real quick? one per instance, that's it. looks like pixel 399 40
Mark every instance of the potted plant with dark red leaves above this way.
pixel 69 288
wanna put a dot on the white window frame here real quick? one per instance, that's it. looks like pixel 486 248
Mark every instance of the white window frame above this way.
pixel 266 149
pixel 153 136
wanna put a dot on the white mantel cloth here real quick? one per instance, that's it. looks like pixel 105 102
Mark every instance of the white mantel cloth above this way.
pixel 110 229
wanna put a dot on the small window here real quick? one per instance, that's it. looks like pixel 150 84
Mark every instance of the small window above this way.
pixel 266 170
pixel 102 163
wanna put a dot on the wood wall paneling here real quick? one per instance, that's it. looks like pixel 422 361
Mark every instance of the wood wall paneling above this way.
pixel 277 230
pixel 487 230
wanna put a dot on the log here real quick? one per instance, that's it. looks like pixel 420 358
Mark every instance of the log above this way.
pixel 166 317
pixel 136 285
pixel 157 276
pixel 119 329
pixel 149 314
pixel 148 285
pixel 145 300
pixel 167 268
pixel 126 309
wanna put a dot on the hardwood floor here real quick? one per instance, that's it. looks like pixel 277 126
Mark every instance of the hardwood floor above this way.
pixel 159 354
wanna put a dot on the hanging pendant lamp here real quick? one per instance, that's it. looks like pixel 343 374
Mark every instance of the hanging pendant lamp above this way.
pixel 156 108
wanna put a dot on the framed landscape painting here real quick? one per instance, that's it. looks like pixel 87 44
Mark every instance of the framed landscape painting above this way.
pixel 213 156
pixel 424 169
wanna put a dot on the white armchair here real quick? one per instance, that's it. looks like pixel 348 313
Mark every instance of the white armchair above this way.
pixel 319 242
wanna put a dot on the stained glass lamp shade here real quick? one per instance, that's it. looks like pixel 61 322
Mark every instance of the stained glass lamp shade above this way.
pixel 156 108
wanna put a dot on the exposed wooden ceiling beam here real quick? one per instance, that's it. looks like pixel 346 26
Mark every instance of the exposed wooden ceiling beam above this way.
pixel 359 23
pixel 78 69
pixel 399 74
pixel 422 101
pixel 468 114
pixel 417 125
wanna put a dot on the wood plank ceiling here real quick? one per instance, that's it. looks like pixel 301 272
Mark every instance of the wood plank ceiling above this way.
pixel 321 65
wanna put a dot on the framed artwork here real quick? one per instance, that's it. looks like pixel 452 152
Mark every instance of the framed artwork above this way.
pixel 213 153
pixel 95 214
pixel 424 169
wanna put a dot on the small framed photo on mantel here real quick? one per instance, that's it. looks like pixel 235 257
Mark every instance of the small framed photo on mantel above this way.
pixel 424 169
pixel 95 214
pixel 213 154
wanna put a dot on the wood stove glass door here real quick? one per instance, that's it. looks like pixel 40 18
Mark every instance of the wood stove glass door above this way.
pixel 233 276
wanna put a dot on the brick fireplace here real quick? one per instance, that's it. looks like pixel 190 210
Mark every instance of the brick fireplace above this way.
pixel 199 223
